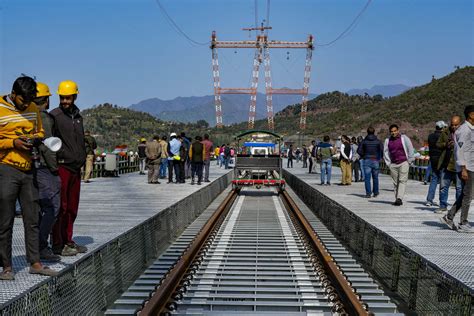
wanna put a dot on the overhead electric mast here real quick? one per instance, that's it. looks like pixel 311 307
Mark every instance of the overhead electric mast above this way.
pixel 262 48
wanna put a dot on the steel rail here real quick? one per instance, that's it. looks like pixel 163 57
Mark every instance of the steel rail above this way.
pixel 349 298
pixel 164 292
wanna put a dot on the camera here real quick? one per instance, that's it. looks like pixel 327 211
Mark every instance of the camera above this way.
pixel 35 155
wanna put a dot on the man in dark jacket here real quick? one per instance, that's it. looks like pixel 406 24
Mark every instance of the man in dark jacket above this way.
pixel 69 128
pixel 435 154
pixel 446 164
pixel 142 155
pixel 371 150
pixel 91 145
pixel 196 156
pixel 47 178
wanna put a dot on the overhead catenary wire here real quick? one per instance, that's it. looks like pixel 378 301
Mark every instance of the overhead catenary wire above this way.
pixel 349 28
pixel 176 27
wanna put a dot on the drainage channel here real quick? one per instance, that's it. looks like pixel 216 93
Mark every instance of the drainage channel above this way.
pixel 257 264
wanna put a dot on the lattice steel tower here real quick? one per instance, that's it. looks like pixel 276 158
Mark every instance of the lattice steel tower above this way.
pixel 262 48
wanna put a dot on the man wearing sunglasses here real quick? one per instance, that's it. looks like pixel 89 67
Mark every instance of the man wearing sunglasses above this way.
pixel 20 125
pixel 398 155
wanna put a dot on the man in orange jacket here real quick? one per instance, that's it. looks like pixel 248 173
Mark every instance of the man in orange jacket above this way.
pixel 20 129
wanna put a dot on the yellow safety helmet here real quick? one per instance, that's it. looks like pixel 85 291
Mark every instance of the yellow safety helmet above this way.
pixel 42 90
pixel 67 87
pixel 142 139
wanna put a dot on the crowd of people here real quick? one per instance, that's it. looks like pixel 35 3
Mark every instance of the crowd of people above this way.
pixel 451 154
pixel 178 159
pixel 45 181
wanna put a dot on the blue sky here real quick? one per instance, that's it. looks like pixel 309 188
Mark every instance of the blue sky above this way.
pixel 124 51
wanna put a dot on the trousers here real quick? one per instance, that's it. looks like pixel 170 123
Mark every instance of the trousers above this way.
pixel 16 184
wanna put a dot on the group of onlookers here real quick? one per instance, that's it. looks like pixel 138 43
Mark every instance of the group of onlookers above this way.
pixel 451 152
pixel 178 159
pixel 43 177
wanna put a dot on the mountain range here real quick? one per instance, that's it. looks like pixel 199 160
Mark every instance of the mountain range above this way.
pixel 384 90
pixel 235 108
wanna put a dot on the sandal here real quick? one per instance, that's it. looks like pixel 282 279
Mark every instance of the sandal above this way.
pixel 7 275
pixel 44 271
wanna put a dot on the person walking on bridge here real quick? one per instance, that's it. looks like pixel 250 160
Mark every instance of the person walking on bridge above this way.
pixel 325 151
pixel 174 147
pixel 434 154
pixel 346 160
pixel 398 155
pixel 142 155
pixel 464 153
pixel 153 156
pixel 291 156
pixel 371 151
pixel 312 155
pixel 68 126
pixel 164 157
pixel 47 178
pixel 197 153
pixel 209 150
pixel 447 165
pixel 20 124
pixel 91 146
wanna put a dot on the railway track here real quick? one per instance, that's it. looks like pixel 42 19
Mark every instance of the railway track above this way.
pixel 258 254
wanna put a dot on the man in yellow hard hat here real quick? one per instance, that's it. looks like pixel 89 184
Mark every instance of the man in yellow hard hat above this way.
pixel 47 178
pixel 68 126
pixel 20 129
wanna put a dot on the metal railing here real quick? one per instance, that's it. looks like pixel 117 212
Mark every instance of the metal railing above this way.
pixel 125 164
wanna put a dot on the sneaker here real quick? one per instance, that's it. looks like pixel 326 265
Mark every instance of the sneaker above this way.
pixel 368 196
pixel 447 221
pixel 47 255
pixel 465 228
pixel 68 251
pixel 375 195
pixel 199 183
pixel 192 182
pixel 207 180
pixel 79 248
pixel 440 210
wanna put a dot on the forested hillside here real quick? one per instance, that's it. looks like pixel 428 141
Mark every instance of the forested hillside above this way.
pixel 113 125
pixel 415 110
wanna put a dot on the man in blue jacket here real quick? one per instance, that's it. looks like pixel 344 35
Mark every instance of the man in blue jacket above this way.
pixel 370 151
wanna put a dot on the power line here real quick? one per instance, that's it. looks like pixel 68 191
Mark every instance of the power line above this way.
pixel 176 27
pixel 349 28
